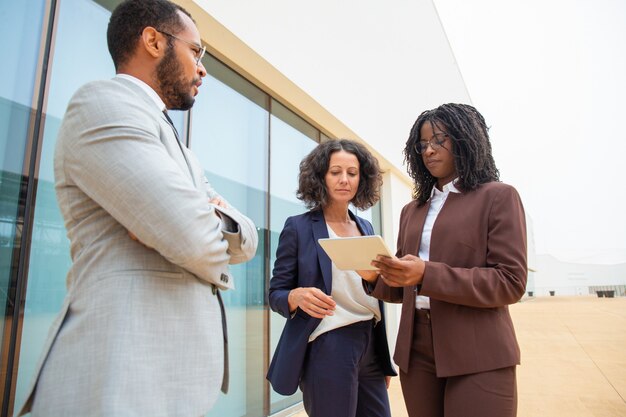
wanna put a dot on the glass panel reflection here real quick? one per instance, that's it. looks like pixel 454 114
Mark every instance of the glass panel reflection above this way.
pixel 20 50
pixel 292 139
pixel 81 32
pixel 230 137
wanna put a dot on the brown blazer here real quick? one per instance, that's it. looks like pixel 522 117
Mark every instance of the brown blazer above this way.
pixel 477 268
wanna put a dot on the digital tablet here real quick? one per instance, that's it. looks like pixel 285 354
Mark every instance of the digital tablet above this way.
pixel 355 253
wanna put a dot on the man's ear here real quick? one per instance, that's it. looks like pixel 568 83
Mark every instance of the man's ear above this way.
pixel 153 42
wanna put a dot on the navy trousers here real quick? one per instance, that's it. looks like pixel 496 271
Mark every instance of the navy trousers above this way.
pixel 342 377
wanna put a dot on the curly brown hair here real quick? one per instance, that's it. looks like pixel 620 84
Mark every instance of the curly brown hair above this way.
pixel 313 168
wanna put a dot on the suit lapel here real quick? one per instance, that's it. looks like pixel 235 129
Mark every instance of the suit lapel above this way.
pixel 320 231
pixel 168 138
pixel 175 148
pixel 415 228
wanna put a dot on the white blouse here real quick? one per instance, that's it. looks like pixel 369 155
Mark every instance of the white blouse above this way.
pixel 353 304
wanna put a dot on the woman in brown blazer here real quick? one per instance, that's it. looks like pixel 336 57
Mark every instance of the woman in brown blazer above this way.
pixel 461 260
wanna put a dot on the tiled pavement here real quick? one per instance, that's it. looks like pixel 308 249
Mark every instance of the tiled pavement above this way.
pixel 573 358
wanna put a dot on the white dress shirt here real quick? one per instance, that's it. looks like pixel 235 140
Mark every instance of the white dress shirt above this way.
pixel 437 200
pixel 145 87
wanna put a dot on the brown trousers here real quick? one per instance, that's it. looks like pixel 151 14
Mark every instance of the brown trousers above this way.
pixel 485 394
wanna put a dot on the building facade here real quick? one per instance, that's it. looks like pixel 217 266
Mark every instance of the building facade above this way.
pixel 245 108
pixel 557 277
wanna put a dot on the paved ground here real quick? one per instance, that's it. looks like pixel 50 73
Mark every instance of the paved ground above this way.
pixel 573 358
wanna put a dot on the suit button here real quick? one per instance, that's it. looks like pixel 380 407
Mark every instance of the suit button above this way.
pixel 224 278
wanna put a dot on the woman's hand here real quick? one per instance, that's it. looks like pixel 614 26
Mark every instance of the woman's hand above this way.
pixel 400 272
pixel 369 276
pixel 312 301
pixel 387 381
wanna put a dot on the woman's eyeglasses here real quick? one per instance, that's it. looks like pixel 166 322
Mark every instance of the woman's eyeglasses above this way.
pixel 436 142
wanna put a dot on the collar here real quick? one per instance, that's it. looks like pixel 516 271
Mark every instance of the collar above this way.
pixel 146 88
pixel 448 188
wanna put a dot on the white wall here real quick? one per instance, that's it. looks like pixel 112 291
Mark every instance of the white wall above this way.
pixel 374 65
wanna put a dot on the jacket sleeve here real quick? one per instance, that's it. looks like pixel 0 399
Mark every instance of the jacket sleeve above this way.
pixel 285 273
pixel 238 230
pixel 502 280
pixel 384 292
pixel 115 156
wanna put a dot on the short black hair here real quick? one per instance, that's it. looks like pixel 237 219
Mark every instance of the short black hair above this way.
pixel 131 17
pixel 313 168
pixel 471 149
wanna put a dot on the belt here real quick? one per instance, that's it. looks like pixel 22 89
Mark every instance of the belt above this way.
pixel 422 315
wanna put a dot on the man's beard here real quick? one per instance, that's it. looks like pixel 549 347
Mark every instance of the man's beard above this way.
pixel 175 89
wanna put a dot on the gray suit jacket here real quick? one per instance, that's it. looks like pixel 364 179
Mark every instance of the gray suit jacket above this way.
pixel 140 331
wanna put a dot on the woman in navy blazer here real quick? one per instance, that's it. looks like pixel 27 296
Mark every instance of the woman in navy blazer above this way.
pixel 334 344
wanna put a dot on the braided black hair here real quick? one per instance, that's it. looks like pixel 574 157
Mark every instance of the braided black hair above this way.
pixel 471 149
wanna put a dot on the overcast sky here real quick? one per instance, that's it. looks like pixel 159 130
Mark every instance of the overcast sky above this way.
pixel 548 75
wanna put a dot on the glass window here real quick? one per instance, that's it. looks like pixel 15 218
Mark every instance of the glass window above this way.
pixel 228 130
pixel 291 140
pixel 80 32
pixel 377 218
pixel 229 134
pixel 20 51
pixel 373 215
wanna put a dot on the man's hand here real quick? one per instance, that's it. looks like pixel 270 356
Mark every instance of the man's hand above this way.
pixel 136 239
pixel 312 301
pixel 218 202
pixel 400 272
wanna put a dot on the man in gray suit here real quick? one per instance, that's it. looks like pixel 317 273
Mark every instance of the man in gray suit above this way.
pixel 140 332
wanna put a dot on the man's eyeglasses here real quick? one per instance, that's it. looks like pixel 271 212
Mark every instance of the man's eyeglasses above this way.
pixel 436 142
pixel 197 49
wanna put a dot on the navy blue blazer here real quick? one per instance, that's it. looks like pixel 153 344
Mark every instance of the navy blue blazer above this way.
pixel 301 262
